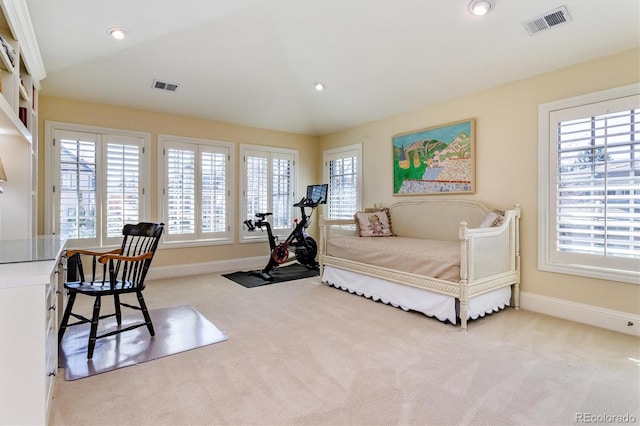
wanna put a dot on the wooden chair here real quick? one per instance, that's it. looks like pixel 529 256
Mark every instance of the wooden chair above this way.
pixel 123 271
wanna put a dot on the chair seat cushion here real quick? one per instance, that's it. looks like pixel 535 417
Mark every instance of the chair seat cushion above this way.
pixel 100 287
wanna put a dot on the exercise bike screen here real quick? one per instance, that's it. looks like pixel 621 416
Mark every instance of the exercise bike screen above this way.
pixel 317 193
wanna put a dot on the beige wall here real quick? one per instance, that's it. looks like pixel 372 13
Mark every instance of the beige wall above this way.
pixel 506 161
pixel 71 111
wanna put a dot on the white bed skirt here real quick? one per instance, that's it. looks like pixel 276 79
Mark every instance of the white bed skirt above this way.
pixel 406 297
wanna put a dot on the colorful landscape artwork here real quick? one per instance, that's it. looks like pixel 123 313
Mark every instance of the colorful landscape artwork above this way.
pixel 437 160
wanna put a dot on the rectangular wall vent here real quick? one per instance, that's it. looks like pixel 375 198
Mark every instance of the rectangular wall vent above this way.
pixel 163 85
pixel 548 20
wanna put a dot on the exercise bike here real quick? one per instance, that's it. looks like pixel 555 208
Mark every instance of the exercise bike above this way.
pixel 303 246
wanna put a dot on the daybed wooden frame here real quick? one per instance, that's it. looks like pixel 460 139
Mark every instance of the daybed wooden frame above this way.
pixel 489 257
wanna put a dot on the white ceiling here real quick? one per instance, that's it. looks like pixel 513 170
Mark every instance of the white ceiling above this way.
pixel 255 63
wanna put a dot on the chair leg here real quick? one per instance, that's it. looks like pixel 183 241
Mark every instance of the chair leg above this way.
pixel 94 327
pixel 116 302
pixel 65 317
pixel 145 312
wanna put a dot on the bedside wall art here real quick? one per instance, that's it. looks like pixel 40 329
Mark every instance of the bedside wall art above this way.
pixel 436 160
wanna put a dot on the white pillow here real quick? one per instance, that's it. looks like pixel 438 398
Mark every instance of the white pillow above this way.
pixel 493 218
pixel 373 224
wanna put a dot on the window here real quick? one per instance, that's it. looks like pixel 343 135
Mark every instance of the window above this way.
pixel 96 182
pixel 590 185
pixel 268 181
pixel 194 177
pixel 343 173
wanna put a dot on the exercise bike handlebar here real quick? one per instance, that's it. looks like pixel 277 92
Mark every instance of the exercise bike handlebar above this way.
pixel 308 202
pixel 304 202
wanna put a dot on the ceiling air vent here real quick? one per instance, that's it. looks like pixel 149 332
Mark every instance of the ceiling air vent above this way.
pixel 548 20
pixel 163 85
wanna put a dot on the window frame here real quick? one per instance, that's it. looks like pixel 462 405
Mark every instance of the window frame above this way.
pixel 52 179
pixel 198 238
pixel 549 259
pixel 347 151
pixel 270 153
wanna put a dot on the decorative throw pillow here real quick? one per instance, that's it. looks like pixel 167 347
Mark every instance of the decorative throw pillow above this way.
pixel 373 224
pixel 493 218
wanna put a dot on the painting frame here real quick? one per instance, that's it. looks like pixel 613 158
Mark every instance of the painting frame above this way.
pixel 436 160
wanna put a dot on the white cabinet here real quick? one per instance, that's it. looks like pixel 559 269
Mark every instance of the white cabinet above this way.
pixel 29 301
pixel 21 70
pixel 29 268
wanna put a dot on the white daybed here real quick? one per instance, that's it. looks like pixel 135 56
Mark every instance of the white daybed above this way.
pixel 439 261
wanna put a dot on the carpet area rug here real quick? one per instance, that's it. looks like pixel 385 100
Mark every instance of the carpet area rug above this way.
pixel 293 271
pixel 178 329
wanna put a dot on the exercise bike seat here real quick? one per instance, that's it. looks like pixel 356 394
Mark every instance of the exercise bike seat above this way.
pixel 262 216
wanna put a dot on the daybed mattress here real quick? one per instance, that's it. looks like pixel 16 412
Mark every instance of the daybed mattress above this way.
pixel 430 258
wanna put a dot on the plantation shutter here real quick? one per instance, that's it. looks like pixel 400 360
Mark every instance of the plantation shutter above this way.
pixel 77 191
pixel 598 182
pixel 599 185
pixel 94 183
pixel 196 196
pixel 343 186
pixel 181 189
pixel 213 195
pixel 257 191
pixel 268 182
pixel 281 181
pixel 123 183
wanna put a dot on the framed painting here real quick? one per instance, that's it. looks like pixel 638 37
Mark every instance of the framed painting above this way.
pixel 436 160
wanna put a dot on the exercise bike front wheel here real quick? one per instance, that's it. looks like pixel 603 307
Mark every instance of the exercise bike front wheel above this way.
pixel 280 253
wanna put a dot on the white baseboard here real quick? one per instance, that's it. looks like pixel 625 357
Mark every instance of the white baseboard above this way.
pixel 587 314
pixel 218 266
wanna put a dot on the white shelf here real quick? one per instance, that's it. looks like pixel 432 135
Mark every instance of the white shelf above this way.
pixel 10 124
pixel 5 62
pixel 23 92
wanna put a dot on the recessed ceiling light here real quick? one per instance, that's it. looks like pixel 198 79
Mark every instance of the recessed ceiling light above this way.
pixel 117 32
pixel 481 7
pixel 320 86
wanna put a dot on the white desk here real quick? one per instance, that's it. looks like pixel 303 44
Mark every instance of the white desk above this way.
pixel 30 273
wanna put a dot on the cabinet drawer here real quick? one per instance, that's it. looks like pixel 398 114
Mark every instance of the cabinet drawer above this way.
pixel 51 340
pixel 51 360
pixel 51 302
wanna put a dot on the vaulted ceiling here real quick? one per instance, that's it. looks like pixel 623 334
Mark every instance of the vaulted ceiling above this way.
pixel 255 63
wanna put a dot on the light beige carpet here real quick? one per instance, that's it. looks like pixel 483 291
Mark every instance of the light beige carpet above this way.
pixel 300 353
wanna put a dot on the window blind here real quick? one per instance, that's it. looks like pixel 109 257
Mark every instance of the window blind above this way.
pixel 196 198
pixel 213 191
pixel 77 189
pixel 268 179
pixel 257 192
pixel 122 187
pixel 95 183
pixel 281 193
pixel 181 192
pixel 343 187
pixel 598 185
